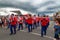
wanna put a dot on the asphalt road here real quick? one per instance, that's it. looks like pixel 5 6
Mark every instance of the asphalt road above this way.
pixel 24 35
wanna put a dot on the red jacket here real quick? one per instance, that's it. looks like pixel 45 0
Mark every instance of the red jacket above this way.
pixel 25 19
pixel 38 19
pixel 13 20
pixel 44 21
pixel 48 19
pixel 30 21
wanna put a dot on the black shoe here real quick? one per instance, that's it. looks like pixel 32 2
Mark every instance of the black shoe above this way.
pixel 21 29
pixel 31 31
pixel 33 28
pixel 11 33
pixel 28 31
pixel 18 30
pixel 14 33
pixel 41 35
pixel 45 34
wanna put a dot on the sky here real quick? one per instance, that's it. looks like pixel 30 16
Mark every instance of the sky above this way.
pixel 36 6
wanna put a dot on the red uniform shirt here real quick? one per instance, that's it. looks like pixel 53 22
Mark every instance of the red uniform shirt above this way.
pixel 29 20
pixel 38 19
pixel 13 20
pixel 44 21
pixel 26 19
pixel 48 19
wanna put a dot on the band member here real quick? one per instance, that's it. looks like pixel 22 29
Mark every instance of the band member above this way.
pixel 38 20
pixel 29 22
pixel 20 22
pixel 13 22
pixel 25 21
pixel 47 17
pixel 44 23
pixel 35 24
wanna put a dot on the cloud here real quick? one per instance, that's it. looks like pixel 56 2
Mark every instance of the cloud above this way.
pixel 23 0
pixel 32 5
pixel 37 3
pixel 52 7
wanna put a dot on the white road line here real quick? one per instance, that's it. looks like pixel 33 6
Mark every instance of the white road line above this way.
pixel 39 34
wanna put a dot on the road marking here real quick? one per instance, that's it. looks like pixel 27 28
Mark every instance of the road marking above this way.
pixel 44 36
pixel 39 34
